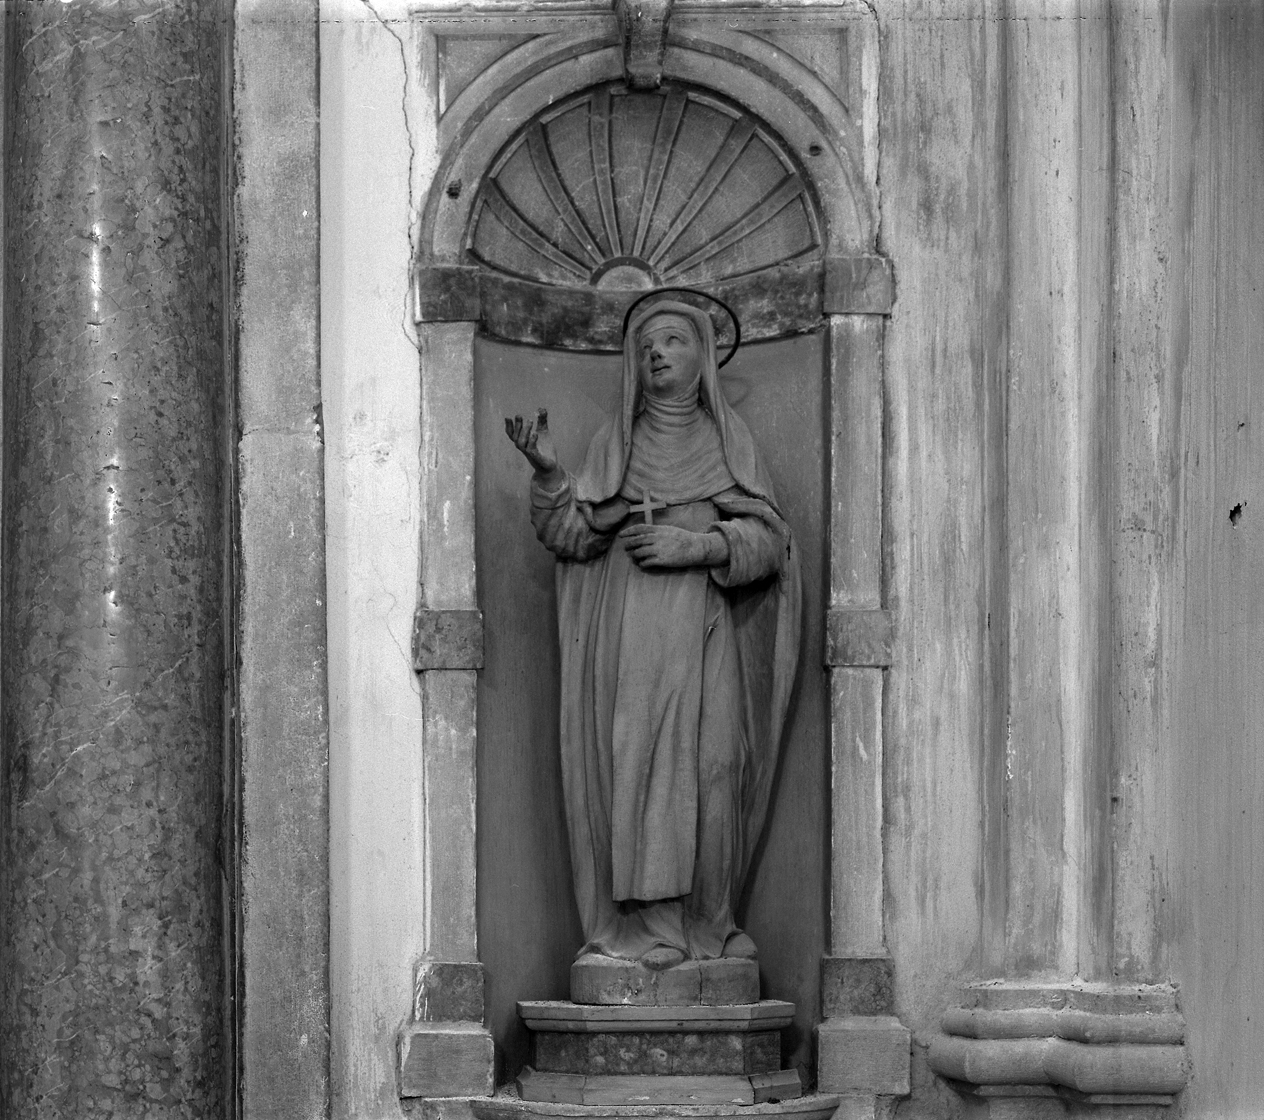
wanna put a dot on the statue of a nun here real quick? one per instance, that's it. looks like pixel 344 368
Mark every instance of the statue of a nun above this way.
pixel 678 595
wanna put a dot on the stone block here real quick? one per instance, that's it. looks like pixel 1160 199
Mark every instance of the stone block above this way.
pixel 856 986
pixel 657 1052
pixel 446 293
pixel 607 981
pixel 445 1060
pixel 857 638
pixel 447 639
pixel 783 1085
pixel 552 1088
pixel 446 991
pixel 727 982
pixel 863 1054
pixel 858 285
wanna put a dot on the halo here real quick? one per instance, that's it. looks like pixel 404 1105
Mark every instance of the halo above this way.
pixel 737 326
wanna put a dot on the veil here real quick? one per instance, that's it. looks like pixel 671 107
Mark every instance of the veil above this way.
pixel 601 476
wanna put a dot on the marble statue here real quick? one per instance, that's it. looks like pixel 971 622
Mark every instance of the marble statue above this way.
pixel 678 594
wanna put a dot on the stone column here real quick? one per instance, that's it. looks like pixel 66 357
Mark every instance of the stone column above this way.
pixel 111 866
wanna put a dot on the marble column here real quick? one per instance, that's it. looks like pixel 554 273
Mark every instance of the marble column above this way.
pixel 112 837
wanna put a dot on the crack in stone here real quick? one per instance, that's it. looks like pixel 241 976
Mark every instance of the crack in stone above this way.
pixel 405 324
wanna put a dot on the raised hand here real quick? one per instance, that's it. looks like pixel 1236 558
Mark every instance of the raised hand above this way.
pixel 533 440
pixel 666 546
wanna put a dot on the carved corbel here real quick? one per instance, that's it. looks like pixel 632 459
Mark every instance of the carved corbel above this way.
pixel 644 27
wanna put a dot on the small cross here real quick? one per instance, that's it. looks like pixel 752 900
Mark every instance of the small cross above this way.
pixel 647 507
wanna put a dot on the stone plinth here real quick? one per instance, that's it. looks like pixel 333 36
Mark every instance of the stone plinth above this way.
pixel 657 1052
pixel 864 1054
pixel 446 1051
pixel 606 980
pixel 688 1055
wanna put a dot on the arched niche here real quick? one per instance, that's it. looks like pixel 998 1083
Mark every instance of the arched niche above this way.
pixel 526 264
pixel 599 197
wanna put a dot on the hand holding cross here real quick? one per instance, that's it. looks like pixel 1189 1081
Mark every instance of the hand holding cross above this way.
pixel 647 506
pixel 667 546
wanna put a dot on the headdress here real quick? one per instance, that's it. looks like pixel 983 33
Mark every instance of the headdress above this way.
pixel 701 301
pixel 603 470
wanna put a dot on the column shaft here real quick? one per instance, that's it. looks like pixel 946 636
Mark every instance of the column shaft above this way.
pixel 111 960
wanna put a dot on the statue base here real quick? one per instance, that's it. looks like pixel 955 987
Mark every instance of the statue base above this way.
pixel 608 980
pixel 605 1055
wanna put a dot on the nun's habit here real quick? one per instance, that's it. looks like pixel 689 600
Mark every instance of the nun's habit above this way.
pixel 675 682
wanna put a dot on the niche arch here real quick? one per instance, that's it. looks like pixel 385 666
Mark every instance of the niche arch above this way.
pixel 810 119
pixel 830 294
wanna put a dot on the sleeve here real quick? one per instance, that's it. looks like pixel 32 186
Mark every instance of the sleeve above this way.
pixel 756 549
pixel 758 539
pixel 562 524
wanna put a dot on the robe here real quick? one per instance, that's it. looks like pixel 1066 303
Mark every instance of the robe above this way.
pixel 674 687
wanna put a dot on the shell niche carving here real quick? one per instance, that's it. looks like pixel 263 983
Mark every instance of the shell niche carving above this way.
pixel 621 190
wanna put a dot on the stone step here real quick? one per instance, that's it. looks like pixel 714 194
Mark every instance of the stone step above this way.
pixel 650 1089
pixel 507 1105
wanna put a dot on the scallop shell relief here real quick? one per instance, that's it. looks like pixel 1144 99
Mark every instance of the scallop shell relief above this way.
pixel 620 189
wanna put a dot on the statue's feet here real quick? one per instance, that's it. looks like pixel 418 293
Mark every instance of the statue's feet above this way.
pixel 661 957
pixel 740 945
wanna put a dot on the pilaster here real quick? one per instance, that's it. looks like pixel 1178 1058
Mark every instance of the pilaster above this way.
pixel 445 1050
pixel 862 1048
pixel 283 1005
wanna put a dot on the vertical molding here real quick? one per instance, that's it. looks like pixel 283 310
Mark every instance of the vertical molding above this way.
pixel 283 728
pixel 1042 472
pixel 994 463
pixel 1057 737
pixel 943 205
pixel 1143 432
pixel 1090 856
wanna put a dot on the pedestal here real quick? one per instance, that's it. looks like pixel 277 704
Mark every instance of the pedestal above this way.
pixel 694 1035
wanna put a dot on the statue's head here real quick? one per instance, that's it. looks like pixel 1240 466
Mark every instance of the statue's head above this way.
pixel 669 355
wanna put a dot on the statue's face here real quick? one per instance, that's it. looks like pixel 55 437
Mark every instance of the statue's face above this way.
pixel 668 355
